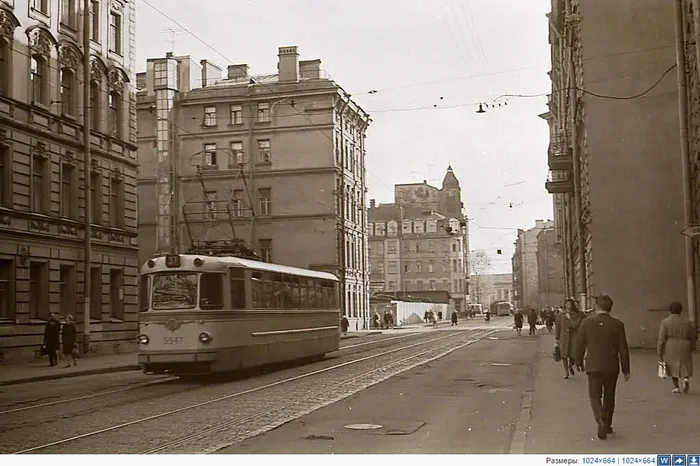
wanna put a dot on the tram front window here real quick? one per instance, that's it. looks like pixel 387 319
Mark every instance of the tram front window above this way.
pixel 174 291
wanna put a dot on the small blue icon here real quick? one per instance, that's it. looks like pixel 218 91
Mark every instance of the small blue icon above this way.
pixel 678 460
pixel 663 460
pixel 693 460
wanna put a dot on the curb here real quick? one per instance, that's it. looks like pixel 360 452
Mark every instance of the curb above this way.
pixel 65 375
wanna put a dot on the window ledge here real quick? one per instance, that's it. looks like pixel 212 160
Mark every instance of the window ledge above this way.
pixel 259 164
pixel 236 124
pixel 267 122
pixel 203 126
pixel 116 320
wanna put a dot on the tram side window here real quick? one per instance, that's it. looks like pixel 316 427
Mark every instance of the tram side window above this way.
pixel 144 302
pixel 259 299
pixel 237 289
pixel 211 291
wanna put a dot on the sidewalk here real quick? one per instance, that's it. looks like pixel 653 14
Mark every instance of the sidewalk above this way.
pixel 12 374
pixel 648 419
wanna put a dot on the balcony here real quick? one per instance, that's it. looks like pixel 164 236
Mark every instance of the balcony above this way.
pixel 559 182
pixel 560 154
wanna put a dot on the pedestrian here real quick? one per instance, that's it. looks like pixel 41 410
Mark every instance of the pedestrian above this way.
pixel 567 326
pixel 603 341
pixel 550 319
pixel 532 321
pixel 454 318
pixel 344 325
pixel 518 321
pixel 70 344
pixel 677 341
pixel 52 332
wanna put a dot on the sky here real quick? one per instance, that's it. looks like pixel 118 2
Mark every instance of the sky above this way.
pixel 431 62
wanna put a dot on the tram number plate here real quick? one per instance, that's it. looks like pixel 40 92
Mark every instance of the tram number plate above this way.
pixel 172 340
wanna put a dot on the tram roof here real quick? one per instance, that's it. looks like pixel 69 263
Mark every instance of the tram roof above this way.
pixel 226 261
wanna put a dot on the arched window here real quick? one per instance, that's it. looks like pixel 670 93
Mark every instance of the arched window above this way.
pixel 115 114
pixel 38 77
pixel 95 105
pixel 4 67
pixel 68 91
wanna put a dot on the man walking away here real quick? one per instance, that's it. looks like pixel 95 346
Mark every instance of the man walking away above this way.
pixel 518 321
pixel 602 339
pixel 454 318
pixel 532 320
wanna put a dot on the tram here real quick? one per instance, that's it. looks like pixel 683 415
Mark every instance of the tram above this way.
pixel 203 314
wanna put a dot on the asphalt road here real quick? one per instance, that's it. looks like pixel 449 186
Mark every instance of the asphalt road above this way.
pixel 466 402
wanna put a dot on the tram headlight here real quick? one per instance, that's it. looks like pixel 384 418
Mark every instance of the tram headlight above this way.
pixel 205 337
pixel 143 339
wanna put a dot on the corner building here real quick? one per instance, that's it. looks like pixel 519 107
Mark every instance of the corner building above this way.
pixel 277 160
pixel 42 207
pixel 615 157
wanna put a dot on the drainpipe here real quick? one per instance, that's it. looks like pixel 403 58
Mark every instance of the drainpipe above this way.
pixel 87 210
pixel 685 158
pixel 573 104
pixel 341 224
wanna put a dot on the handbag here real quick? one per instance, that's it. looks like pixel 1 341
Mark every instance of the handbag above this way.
pixel 662 370
pixel 75 352
pixel 43 351
pixel 557 354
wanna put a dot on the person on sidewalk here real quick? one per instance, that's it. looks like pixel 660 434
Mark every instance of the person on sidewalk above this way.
pixel 603 341
pixel 70 341
pixel 567 326
pixel 52 332
pixel 677 341
pixel 532 320
pixel 454 318
pixel 518 321
pixel 344 325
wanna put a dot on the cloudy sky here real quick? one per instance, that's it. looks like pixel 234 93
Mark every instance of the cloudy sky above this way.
pixel 431 62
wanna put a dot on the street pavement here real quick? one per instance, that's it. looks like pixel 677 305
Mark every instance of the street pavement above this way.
pixel 648 419
pixel 466 402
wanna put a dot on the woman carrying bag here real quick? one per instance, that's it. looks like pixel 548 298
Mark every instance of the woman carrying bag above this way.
pixel 677 341
pixel 70 344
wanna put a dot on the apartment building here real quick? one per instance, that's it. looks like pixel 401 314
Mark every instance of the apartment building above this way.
pixel 526 276
pixel 276 159
pixel 42 206
pixel 420 242
pixel 615 162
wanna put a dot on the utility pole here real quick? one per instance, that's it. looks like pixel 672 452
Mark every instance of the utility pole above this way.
pixel 685 159
pixel 87 240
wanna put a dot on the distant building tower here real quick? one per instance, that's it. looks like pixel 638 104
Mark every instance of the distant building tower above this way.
pixel 451 196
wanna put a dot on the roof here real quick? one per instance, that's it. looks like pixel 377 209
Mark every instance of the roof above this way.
pixel 388 212
pixel 226 262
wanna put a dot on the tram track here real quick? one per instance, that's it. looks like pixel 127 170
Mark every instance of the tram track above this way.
pixel 440 342
pixel 173 380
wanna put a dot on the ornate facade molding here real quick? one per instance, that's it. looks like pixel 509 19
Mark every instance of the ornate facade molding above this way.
pixel 40 41
pixel 116 77
pixel 69 55
pixel 8 23
pixel 97 70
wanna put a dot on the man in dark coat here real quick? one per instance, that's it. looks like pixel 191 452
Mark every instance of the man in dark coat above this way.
pixel 52 332
pixel 532 320
pixel 602 339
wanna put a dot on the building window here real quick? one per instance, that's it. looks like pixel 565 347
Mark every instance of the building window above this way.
pixel 407 268
pixel 209 155
pixel 95 105
pixel 236 155
pixel 212 204
pixel 391 248
pixel 5 176
pixel 95 20
pixel 7 289
pixel 116 294
pixel 67 91
pixel 419 285
pixel 265 202
pixel 454 265
pixel 115 114
pixel 264 152
pixel 4 67
pixel 431 267
pixel 209 116
pixel 67 291
pixel 95 293
pixel 38 79
pixel 116 203
pixel 68 13
pixel 265 250
pixel 431 285
pixel 42 6
pixel 96 198
pixel 68 204
pixel 115 33
pixel 236 115
pixel 263 112
pixel 419 267
pixel 39 181
pixel 392 267
pixel 391 286
pixel 38 291
pixel 237 207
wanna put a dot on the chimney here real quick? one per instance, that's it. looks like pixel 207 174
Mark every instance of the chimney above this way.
pixel 539 223
pixel 372 203
pixel 310 69
pixel 210 73
pixel 288 65
pixel 238 72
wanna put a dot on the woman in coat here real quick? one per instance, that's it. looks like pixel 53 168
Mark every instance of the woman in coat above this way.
pixel 52 332
pixel 677 341
pixel 567 326
pixel 70 335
